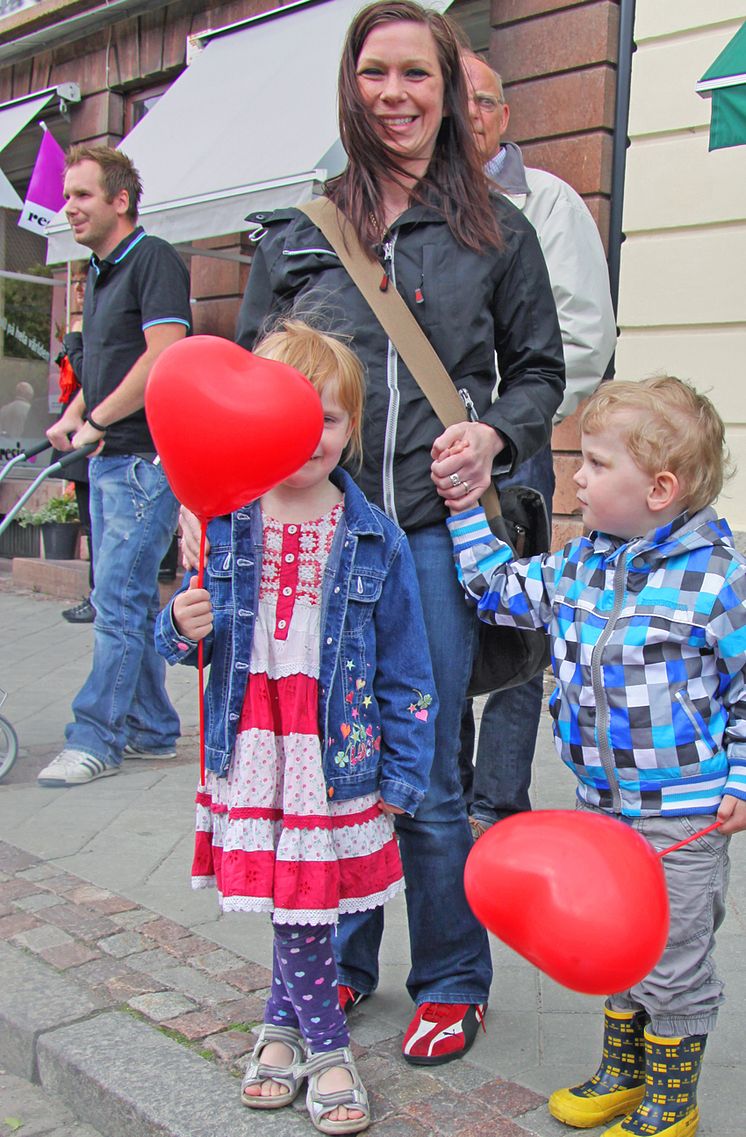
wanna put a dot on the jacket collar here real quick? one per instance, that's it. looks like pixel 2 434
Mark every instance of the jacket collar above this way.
pixel 511 176
pixel 685 533
pixel 360 516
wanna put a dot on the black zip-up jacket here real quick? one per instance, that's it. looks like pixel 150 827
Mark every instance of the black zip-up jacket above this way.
pixel 470 305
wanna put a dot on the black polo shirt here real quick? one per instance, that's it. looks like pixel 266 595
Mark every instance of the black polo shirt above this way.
pixel 142 282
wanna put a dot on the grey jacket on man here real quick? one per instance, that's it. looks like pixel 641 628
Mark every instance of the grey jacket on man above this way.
pixel 577 269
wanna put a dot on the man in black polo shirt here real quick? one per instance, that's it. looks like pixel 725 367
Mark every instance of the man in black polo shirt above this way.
pixel 136 304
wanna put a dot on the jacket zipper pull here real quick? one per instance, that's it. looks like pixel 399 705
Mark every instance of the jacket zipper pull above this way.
pixel 388 249
pixel 419 295
pixel 468 402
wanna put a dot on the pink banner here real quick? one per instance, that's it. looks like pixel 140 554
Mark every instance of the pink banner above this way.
pixel 44 197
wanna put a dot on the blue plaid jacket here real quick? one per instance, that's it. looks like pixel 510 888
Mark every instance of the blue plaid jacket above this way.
pixel 648 651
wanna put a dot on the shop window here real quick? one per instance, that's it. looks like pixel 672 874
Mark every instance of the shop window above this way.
pixel 138 103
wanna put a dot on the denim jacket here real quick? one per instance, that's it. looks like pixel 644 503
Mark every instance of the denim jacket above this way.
pixel 377 701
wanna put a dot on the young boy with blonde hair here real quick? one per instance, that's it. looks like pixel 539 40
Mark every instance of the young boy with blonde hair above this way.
pixel 647 619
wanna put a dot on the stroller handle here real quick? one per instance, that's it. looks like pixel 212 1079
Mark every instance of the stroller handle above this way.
pixel 55 467
pixel 32 451
pixel 74 456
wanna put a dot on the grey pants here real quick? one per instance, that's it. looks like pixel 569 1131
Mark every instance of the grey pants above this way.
pixel 683 991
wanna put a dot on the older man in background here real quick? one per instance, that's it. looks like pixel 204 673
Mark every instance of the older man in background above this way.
pixel 497 784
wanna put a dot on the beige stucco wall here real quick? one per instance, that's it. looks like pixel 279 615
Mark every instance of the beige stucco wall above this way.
pixel 682 301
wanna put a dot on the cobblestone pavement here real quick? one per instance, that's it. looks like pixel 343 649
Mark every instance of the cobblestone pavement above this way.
pixel 131 1000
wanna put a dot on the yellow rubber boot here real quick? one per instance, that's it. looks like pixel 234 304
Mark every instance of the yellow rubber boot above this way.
pixel 669 1106
pixel 619 1083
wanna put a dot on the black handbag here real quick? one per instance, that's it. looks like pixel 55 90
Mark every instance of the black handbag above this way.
pixel 505 657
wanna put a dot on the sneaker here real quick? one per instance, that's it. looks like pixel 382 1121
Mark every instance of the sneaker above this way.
pixel 349 998
pixel 131 751
pixel 440 1032
pixel 73 768
pixel 83 613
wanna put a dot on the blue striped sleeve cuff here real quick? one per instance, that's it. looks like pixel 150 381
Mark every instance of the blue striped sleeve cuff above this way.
pixel 166 320
pixel 469 528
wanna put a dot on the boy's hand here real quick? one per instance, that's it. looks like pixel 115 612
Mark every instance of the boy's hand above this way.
pixel 386 808
pixel 732 815
pixel 192 612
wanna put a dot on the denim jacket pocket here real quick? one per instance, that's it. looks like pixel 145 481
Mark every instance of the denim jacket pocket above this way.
pixel 364 589
pixel 220 574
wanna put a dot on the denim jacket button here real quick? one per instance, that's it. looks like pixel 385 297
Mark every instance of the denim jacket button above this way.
pixel 336 590
pixel 329 639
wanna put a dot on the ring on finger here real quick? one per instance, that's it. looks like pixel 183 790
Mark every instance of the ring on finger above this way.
pixel 455 480
pixel 466 487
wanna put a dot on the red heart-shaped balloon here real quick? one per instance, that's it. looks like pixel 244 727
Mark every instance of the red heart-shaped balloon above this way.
pixel 227 424
pixel 581 896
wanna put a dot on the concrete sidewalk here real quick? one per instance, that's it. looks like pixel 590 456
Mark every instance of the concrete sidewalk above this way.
pixel 127 997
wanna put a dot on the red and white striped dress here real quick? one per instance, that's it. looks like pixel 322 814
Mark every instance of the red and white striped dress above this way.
pixel 268 836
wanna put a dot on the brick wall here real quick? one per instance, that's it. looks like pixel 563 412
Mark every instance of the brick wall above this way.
pixel 558 63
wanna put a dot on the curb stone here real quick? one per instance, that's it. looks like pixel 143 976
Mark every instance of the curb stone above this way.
pixel 34 999
pixel 123 1077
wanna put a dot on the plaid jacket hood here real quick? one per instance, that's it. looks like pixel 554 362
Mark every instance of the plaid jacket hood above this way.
pixel 648 652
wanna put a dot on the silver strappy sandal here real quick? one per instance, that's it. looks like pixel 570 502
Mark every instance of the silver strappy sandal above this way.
pixel 353 1097
pixel 289 1076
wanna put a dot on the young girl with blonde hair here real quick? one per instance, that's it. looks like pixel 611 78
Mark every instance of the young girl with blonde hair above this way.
pixel 319 726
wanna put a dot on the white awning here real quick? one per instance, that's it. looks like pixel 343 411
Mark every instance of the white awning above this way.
pixel 14 116
pixel 251 124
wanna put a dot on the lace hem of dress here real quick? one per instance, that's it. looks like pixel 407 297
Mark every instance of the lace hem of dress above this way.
pixel 313 916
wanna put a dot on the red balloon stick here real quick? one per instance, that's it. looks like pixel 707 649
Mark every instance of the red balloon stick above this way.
pixel 201 658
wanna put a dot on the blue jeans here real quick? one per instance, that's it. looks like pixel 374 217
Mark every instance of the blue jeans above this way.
pixel 124 700
pixel 498 784
pixel 450 953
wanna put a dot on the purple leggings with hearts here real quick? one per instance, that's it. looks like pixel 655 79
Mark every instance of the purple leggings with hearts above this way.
pixel 304 986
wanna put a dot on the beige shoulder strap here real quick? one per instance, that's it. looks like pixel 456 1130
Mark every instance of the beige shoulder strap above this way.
pixel 396 320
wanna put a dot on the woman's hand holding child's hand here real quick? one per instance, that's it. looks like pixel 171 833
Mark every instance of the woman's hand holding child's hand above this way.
pixel 466 452
pixel 192 612
pixel 438 455
pixel 732 815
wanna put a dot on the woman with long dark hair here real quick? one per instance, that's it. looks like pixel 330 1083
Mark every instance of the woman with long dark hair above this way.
pixel 470 268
